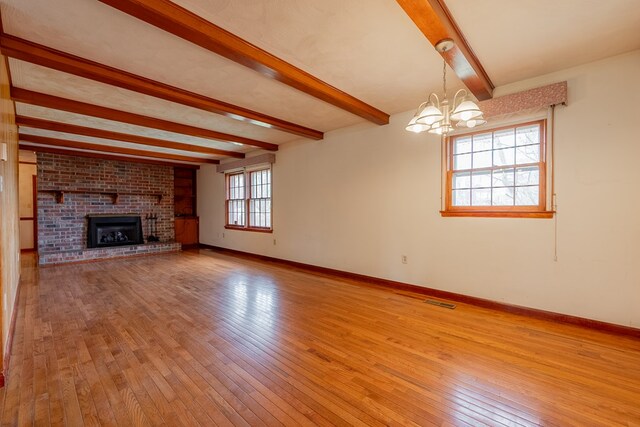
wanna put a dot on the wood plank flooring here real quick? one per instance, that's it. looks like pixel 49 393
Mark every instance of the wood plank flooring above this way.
pixel 201 338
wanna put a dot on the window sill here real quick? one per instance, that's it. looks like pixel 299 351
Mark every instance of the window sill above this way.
pixel 256 230
pixel 499 214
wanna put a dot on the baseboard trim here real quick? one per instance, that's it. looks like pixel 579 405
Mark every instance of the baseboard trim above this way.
pixel 4 375
pixel 437 293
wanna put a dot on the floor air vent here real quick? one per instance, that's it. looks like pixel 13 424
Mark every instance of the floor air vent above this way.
pixel 441 304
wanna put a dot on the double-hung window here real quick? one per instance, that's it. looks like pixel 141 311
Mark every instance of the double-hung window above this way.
pixel 499 172
pixel 248 200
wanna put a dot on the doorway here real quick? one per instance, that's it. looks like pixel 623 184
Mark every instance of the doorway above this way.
pixel 27 199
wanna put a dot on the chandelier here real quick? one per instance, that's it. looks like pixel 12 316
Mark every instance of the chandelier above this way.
pixel 436 116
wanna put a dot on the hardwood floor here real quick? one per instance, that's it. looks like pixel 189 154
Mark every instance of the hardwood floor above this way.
pixel 210 339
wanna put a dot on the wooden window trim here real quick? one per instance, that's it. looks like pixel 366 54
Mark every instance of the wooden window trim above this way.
pixel 247 201
pixel 254 229
pixel 537 211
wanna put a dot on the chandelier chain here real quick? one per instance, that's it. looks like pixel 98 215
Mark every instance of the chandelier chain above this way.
pixel 444 78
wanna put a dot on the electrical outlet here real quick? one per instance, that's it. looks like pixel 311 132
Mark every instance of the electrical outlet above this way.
pixel 404 259
pixel 223 235
pixel 274 242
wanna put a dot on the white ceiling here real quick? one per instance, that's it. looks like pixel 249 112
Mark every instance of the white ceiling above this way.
pixel 367 48
pixel 516 40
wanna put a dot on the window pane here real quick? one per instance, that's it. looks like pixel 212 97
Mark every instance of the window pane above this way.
pixel 481 197
pixel 462 180
pixel 462 145
pixel 528 135
pixel 503 178
pixel 236 186
pixel 482 142
pixel 482 159
pixel 503 196
pixel 461 197
pixel 504 157
pixel 462 161
pixel 481 179
pixel 528 154
pixel 528 176
pixel 260 213
pixel 527 196
pixel 236 212
pixel 504 138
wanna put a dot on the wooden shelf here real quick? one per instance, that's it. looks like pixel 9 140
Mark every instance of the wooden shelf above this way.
pixel 59 194
pixel 184 192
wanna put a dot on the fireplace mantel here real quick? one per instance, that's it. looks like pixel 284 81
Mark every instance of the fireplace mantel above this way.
pixel 59 194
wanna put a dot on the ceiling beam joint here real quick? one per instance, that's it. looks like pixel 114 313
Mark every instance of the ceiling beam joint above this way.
pixel 434 19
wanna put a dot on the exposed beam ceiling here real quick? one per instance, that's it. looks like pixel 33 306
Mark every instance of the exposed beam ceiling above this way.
pixel 77 107
pixel 97 155
pixel 435 21
pixel 25 50
pixel 31 122
pixel 110 149
pixel 179 21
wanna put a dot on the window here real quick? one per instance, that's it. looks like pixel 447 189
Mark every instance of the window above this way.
pixel 249 200
pixel 500 172
pixel 235 200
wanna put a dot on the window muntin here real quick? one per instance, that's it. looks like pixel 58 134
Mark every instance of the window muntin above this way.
pixel 497 170
pixel 248 201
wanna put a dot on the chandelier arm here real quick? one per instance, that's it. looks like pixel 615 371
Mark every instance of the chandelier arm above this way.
pixel 455 97
pixel 437 103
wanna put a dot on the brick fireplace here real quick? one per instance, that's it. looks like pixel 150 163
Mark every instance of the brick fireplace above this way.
pixel 73 190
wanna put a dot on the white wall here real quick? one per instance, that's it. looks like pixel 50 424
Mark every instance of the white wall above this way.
pixel 364 196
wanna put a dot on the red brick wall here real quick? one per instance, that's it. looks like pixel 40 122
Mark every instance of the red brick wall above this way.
pixel 62 227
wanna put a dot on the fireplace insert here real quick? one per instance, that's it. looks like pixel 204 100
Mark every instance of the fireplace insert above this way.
pixel 114 230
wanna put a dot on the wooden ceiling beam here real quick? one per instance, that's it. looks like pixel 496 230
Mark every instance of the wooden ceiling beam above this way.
pixel 57 103
pixel 104 156
pixel 25 50
pixel 31 122
pixel 180 22
pixel 435 21
pixel 44 140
